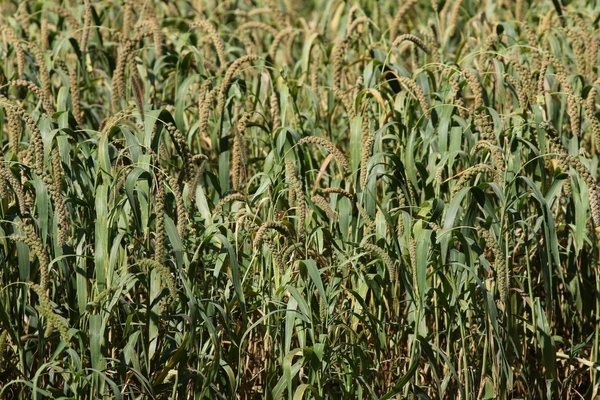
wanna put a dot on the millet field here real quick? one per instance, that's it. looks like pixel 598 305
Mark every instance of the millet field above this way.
pixel 326 199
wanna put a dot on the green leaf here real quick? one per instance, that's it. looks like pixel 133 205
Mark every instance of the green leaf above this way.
pixel 101 247
pixel 412 369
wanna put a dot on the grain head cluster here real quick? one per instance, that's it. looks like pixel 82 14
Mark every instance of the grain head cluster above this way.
pixel 261 199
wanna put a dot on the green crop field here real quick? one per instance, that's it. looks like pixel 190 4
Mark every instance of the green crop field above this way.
pixel 260 199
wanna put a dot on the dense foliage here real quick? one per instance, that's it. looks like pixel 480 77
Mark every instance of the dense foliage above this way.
pixel 275 199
